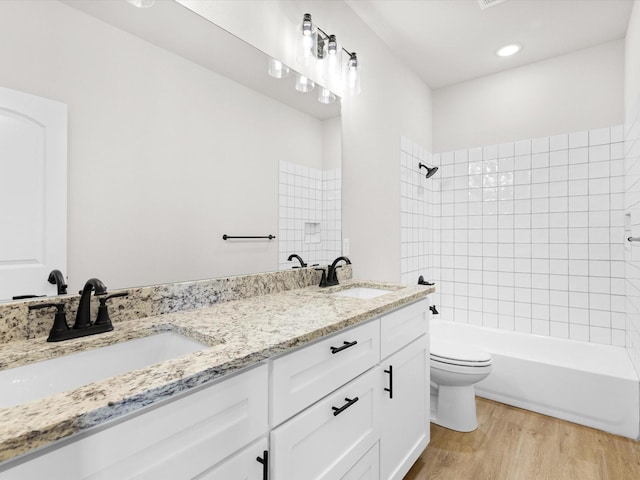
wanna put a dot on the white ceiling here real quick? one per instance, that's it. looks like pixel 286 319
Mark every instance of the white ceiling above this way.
pixel 451 41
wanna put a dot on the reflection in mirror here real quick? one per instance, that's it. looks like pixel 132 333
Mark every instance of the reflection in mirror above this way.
pixel 177 136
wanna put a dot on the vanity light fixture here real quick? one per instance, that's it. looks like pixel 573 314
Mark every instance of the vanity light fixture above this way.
pixel 328 54
pixel 509 50
pixel 142 3
pixel 321 51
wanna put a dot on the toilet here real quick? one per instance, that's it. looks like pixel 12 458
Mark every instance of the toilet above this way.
pixel 455 368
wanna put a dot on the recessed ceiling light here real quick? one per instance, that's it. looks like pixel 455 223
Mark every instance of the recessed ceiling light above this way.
pixel 509 50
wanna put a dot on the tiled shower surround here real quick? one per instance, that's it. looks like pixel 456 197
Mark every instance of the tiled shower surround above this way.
pixel 632 228
pixel 527 236
pixel 310 214
pixel 417 223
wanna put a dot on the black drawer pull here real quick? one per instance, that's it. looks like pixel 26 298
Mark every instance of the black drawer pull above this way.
pixel 350 401
pixel 343 347
pixel 390 389
pixel 265 464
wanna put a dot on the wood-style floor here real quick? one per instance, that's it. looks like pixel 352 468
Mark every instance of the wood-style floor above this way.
pixel 515 444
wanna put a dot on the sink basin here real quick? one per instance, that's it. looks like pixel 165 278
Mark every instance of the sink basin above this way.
pixel 361 292
pixel 37 380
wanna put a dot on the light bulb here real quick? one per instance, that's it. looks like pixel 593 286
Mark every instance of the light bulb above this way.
pixel 307 25
pixel 332 47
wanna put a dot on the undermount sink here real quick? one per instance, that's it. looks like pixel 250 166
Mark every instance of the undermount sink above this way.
pixel 361 292
pixel 41 379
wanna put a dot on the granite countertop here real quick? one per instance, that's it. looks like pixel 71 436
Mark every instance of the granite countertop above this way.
pixel 240 333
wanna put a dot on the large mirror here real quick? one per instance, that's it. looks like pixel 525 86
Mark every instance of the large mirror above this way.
pixel 176 136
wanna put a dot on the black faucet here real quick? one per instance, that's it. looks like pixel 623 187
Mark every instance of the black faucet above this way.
pixel 332 277
pixel 56 278
pixel 83 326
pixel 83 317
pixel 299 258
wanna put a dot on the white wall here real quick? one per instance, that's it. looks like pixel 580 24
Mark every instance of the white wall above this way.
pixel 632 63
pixel 632 183
pixel 573 92
pixel 164 155
pixel 393 102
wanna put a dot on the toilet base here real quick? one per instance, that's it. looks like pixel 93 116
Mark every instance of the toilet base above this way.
pixel 454 407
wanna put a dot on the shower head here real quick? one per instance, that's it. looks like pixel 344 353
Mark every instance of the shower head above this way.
pixel 430 170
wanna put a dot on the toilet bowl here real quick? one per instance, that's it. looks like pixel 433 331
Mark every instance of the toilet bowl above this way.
pixel 455 368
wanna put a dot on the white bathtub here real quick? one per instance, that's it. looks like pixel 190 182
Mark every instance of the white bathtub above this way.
pixel 585 383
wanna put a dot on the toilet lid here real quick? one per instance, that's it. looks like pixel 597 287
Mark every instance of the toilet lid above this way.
pixel 458 352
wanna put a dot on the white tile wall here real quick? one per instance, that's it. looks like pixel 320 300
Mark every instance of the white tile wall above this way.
pixel 416 214
pixel 310 214
pixel 525 236
pixel 632 228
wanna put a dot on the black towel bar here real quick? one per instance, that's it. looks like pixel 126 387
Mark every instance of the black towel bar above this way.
pixel 229 237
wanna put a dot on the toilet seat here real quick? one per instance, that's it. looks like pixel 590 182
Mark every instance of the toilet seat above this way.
pixel 443 352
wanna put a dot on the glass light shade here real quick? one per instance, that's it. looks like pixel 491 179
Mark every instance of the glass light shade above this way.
pixel 307 40
pixel 142 3
pixel 277 69
pixel 353 75
pixel 326 96
pixel 334 58
pixel 304 84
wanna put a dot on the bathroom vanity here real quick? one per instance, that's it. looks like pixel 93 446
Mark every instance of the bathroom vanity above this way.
pixel 304 383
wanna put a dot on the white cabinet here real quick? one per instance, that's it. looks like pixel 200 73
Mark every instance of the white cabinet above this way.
pixel 404 411
pixel 335 409
pixel 402 326
pixel 244 465
pixel 176 440
pixel 305 376
pixel 326 440
pixel 367 468
pixel 404 407
pixel 313 444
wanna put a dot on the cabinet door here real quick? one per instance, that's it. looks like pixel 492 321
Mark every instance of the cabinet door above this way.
pixel 241 466
pixel 305 376
pixel 404 409
pixel 176 440
pixel 367 468
pixel 323 444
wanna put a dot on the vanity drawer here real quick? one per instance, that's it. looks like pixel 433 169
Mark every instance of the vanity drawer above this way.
pixel 316 444
pixel 401 327
pixel 305 376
